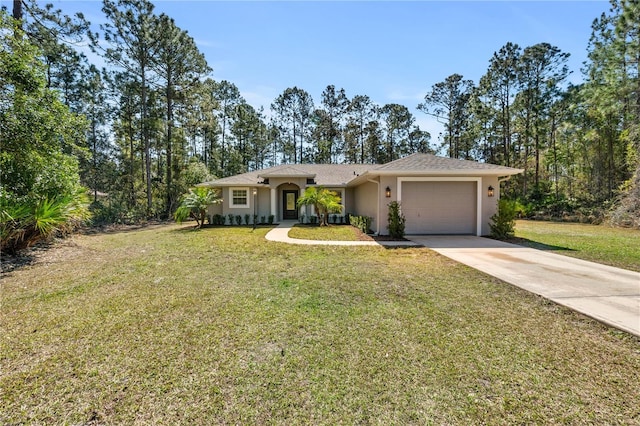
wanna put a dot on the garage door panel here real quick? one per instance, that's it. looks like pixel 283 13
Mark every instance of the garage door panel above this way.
pixel 439 207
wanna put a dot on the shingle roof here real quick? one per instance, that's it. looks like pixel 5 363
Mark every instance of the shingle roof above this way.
pixel 433 163
pixel 338 175
pixel 286 171
pixel 324 174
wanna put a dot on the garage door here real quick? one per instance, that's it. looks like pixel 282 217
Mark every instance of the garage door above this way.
pixel 439 207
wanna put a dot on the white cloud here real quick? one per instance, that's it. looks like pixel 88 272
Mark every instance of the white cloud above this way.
pixel 399 95
pixel 260 96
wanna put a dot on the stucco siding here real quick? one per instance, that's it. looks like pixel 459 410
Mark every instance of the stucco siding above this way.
pixel 365 202
pixel 489 204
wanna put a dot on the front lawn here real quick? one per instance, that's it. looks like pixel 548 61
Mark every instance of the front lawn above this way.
pixel 598 243
pixel 325 233
pixel 167 325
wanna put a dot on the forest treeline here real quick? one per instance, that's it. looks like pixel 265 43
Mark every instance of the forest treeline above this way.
pixel 139 133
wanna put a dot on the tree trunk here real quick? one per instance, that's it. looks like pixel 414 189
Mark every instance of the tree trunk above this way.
pixel 169 151
pixel 145 138
pixel 17 10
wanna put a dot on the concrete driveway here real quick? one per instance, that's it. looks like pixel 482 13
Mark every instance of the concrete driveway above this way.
pixel 608 294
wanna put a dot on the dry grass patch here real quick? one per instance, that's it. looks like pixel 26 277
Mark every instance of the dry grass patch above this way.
pixel 173 326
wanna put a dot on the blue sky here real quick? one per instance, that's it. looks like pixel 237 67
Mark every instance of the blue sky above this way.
pixel 390 51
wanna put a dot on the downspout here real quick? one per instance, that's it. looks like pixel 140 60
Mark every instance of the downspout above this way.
pixel 377 204
pixel 500 180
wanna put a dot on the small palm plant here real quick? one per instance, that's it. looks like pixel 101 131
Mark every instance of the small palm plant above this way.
pixel 324 201
pixel 194 204
pixel 23 224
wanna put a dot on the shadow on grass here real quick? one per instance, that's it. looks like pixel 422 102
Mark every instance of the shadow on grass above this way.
pixel 191 227
pixel 23 258
pixel 122 228
pixel 402 247
pixel 538 245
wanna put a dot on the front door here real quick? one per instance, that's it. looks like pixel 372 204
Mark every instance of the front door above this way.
pixel 289 204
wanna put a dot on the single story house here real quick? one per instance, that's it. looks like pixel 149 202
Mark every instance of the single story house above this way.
pixel 437 195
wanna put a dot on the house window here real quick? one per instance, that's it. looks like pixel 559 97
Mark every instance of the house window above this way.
pixel 240 197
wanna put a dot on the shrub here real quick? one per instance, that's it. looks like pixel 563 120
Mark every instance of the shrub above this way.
pixel 195 204
pixel 217 219
pixel 238 220
pixel 363 223
pixel 271 219
pixel 230 216
pixel 396 220
pixel 255 219
pixel 263 219
pixel 247 218
pixel 301 218
pixel 503 223
pixel 313 220
pixel 23 224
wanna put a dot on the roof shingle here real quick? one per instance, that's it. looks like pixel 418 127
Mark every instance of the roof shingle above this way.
pixel 338 175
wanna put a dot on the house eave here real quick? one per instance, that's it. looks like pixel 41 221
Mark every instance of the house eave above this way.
pixel 451 172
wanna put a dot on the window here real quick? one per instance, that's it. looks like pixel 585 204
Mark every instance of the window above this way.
pixel 239 197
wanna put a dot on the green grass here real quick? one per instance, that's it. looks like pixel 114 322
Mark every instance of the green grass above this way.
pixel 598 243
pixel 324 233
pixel 167 325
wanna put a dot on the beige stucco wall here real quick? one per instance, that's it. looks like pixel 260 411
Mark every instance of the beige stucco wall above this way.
pixel 349 200
pixel 214 209
pixel 365 200
pixel 489 204
pixel 361 200
pixel 365 197
pixel 223 208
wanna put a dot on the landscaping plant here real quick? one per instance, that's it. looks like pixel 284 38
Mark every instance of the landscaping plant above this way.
pixel 194 204
pixel 324 201
pixel 396 220
pixel 504 221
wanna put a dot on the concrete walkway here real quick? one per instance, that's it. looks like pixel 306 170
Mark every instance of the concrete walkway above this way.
pixel 608 294
pixel 281 234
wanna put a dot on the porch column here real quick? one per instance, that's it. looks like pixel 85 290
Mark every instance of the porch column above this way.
pixel 274 203
pixel 342 194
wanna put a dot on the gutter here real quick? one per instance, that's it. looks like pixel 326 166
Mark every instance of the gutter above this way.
pixel 377 204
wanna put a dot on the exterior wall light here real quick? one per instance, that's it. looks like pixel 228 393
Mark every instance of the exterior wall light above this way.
pixel 387 192
pixel 490 191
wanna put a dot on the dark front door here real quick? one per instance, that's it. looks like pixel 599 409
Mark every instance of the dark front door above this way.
pixel 289 201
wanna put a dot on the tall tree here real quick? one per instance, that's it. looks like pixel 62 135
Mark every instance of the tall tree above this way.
pixel 292 110
pixel 447 101
pixel 397 121
pixel 131 45
pixel 418 141
pixel 360 112
pixel 542 69
pixel 179 64
pixel 329 122
pixel 613 88
pixel 94 170
pixel 500 85
pixel 228 96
